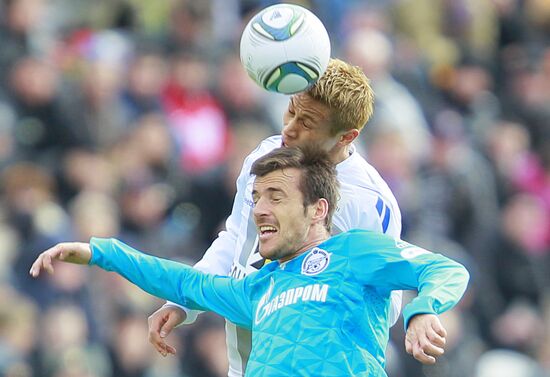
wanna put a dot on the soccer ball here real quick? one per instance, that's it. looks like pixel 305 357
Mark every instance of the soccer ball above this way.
pixel 285 48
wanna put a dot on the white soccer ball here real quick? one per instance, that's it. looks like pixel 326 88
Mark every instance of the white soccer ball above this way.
pixel 285 48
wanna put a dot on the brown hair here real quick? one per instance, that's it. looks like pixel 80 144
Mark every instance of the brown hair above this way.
pixel 346 91
pixel 318 179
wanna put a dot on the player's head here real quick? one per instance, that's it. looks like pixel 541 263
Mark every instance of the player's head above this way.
pixel 295 195
pixel 332 112
pixel 346 91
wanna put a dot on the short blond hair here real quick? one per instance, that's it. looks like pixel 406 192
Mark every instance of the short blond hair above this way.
pixel 346 91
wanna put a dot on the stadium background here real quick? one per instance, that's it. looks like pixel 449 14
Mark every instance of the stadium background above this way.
pixel 131 119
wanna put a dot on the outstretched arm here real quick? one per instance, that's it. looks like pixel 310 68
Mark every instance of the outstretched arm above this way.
pixel 162 278
pixel 70 252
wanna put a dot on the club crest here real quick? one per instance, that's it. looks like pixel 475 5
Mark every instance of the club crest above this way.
pixel 315 262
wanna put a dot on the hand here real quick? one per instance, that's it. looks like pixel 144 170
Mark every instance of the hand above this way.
pixel 70 252
pixel 425 338
pixel 161 324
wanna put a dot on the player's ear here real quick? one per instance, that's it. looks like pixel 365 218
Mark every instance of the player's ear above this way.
pixel 321 210
pixel 349 136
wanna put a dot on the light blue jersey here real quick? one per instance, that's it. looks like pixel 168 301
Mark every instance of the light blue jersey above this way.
pixel 323 313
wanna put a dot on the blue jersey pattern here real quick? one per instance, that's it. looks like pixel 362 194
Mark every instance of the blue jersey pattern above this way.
pixel 323 313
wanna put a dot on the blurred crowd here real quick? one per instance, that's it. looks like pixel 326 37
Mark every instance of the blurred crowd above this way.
pixel 131 118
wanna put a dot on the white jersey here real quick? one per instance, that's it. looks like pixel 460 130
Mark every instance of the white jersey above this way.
pixel 366 202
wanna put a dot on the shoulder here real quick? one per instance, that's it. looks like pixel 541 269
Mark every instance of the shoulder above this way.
pixel 266 146
pixel 355 171
pixel 258 277
pixel 367 235
pixel 360 238
pixel 366 200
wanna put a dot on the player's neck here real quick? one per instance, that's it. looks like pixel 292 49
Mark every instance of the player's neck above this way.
pixel 338 155
pixel 317 237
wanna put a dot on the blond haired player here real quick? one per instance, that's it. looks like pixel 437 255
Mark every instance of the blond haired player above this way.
pixel 330 115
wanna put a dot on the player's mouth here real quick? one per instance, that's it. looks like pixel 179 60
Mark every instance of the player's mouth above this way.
pixel 266 232
pixel 285 143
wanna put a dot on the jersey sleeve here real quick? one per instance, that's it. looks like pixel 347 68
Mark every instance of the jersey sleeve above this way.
pixel 440 281
pixel 175 281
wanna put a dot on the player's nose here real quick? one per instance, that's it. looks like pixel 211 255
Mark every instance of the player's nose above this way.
pixel 260 208
pixel 290 130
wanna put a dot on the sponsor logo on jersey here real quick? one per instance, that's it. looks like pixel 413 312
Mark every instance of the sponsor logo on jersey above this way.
pixel 248 191
pixel 402 244
pixel 315 262
pixel 410 251
pixel 268 305
pixel 237 271
pixel 413 252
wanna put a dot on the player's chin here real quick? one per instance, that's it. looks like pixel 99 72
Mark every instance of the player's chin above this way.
pixel 263 248
pixel 266 251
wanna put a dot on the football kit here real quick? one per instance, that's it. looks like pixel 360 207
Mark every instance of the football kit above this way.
pixel 323 313
pixel 366 202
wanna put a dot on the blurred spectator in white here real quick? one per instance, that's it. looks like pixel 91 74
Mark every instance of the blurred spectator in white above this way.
pixel 396 108
pixel 505 363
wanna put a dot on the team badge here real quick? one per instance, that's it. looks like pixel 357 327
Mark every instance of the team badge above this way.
pixel 315 262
